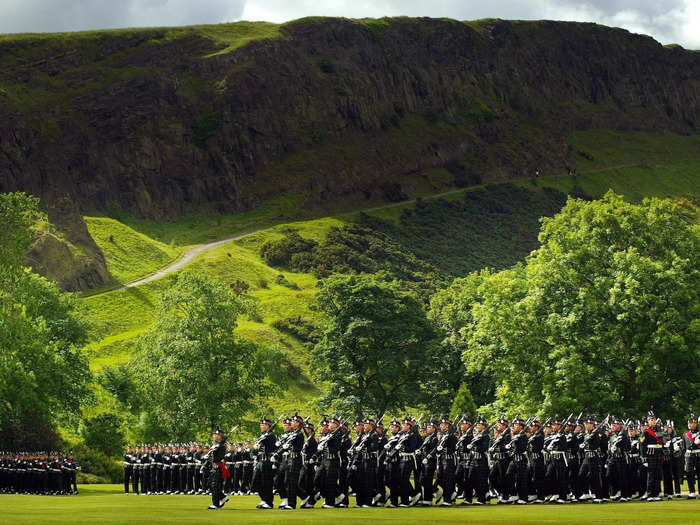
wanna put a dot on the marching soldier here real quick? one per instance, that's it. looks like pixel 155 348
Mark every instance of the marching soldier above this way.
pixel 446 464
pixel 500 461
pixel 428 452
pixel 291 460
pixel 478 461
pixel 463 454
pixel 343 479
pixel 308 461
pixel 407 446
pixel 691 440
pixel 651 449
pixel 391 464
pixel 262 451
pixel 590 471
pixel 218 471
pixel 573 430
pixel 329 467
pixel 517 473
pixel 634 474
pixel 535 444
pixel 556 449
pixel 617 471
pixel 676 447
pixel 379 499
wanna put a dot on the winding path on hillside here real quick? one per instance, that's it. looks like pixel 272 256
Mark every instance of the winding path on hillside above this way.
pixel 189 254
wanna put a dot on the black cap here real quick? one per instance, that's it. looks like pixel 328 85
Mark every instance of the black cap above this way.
pixel 480 420
pixel 265 420
pixel 502 420
pixel 217 430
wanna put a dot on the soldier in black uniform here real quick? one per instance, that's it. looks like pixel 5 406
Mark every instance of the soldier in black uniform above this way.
pixel 634 465
pixel 651 450
pixel 556 449
pixel 590 471
pixel 428 454
pixel 379 499
pixel 676 451
pixel 500 461
pixel 262 451
pixel 517 473
pixel 447 464
pixel 691 439
pixel 291 460
pixel 573 430
pixel 145 469
pixel 329 462
pixel 617 468
pixel 129 462
pixel 462 479
pixel 355 467
pixel 343 486
pixel 308 467
pixel 230 462
pixel 392 478
pixel 407 446
pixel 478 461
pixel 218 471
pixel 535 444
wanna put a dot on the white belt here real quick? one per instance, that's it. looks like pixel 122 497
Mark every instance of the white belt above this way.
pixel 696 451
pixel 653 446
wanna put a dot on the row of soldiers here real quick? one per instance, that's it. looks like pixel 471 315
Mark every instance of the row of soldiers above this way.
pixel 43 473
pixel 516 462
pixel 182 469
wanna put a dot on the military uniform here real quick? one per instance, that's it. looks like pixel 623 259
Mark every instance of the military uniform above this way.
pixel 535 445
pixel 263 476
pixel 500 459
pixel 326 480
pixel 555 449
pixel 691 439
pixel 407 445
pixel 308 467
pixel 651 450
pixel 517 473
pixel 617 467
pixel 590 471
pixel 428 464
pixel 478 467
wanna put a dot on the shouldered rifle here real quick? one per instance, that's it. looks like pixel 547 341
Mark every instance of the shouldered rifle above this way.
pixel 563 425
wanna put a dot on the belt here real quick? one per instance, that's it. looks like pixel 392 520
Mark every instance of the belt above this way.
pixel 407 454
pixel 477 455
pixel 653 446
pixel 592 454
pixel 694 451
pixel 498 456
pixel 246 462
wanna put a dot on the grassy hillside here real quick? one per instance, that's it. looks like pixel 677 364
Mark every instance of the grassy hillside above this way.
pixel 494 225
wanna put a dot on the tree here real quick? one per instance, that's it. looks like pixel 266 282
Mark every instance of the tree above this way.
pixel 103 432
pixel 43 373
pixel 605 315
pixel 195 372
pixel 449 386
pixel 375 342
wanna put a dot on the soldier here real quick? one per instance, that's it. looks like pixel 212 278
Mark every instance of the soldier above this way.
pixel 535 444
pixel 308 462
pixel 407 445
pixel 145 469
pixel 231 466
pixel 676 447
pixel 478 461
pixel 555 448
pixel 329 462
pixel 129 462
pixel 617 470
pixel 651 449
pixel 428 452
pixel 463 454
pixel 590 471
pixel 517 473
pixel 343 486
pixel 237 469
pixel 446 464
pixel 691 439
pixel 247 456
pixel 355 467
pixel 500 459
pixel 291 460
pixel 634 475
pixel 218 471
pixel 379 499
pixel 277 466
pixel 167 469
pixel 392 478
pixel 573 431
pixel 262 451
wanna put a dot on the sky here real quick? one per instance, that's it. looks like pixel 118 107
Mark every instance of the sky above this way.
pixel 668 21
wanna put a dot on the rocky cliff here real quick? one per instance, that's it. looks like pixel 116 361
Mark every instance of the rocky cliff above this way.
pixel 161 121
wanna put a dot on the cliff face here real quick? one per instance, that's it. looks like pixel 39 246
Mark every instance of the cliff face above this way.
pixel 158 122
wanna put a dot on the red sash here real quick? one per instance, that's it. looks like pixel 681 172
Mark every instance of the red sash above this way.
pixel 657 438
pixel 690 436
pixel 225 474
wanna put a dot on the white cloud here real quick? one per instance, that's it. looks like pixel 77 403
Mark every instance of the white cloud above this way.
pixel 668 21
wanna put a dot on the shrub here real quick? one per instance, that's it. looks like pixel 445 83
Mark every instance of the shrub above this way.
pixel 280 252
pixel 104 434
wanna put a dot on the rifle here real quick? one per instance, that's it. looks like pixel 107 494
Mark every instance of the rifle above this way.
pixel 563 425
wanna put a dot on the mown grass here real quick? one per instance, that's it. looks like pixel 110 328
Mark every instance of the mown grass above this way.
pixel 107 504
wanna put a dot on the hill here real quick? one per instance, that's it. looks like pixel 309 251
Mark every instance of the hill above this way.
pixel 159 122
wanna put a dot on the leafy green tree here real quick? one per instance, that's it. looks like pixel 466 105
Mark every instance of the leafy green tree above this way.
pixel 194 370
pixel 605 315
pixel 374 348
pixel 43 373
pixel 104 433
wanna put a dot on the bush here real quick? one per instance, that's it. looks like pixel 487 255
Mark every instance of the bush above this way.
pixel 280 252
pixel 119 382
pixel 104 434
pixel 96 467
pixel 282 281
pixel 300 328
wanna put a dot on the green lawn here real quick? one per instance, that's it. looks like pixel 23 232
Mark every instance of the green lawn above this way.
pixel 106 504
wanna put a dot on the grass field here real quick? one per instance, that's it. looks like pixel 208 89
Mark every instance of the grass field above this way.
pixel 107 504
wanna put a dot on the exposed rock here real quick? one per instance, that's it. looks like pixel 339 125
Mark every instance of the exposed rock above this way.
pixel 160 125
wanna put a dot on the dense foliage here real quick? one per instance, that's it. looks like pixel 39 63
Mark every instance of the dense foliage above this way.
pixel 43 373
pixel 375 343
pixel 605 315
pixel 194 371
